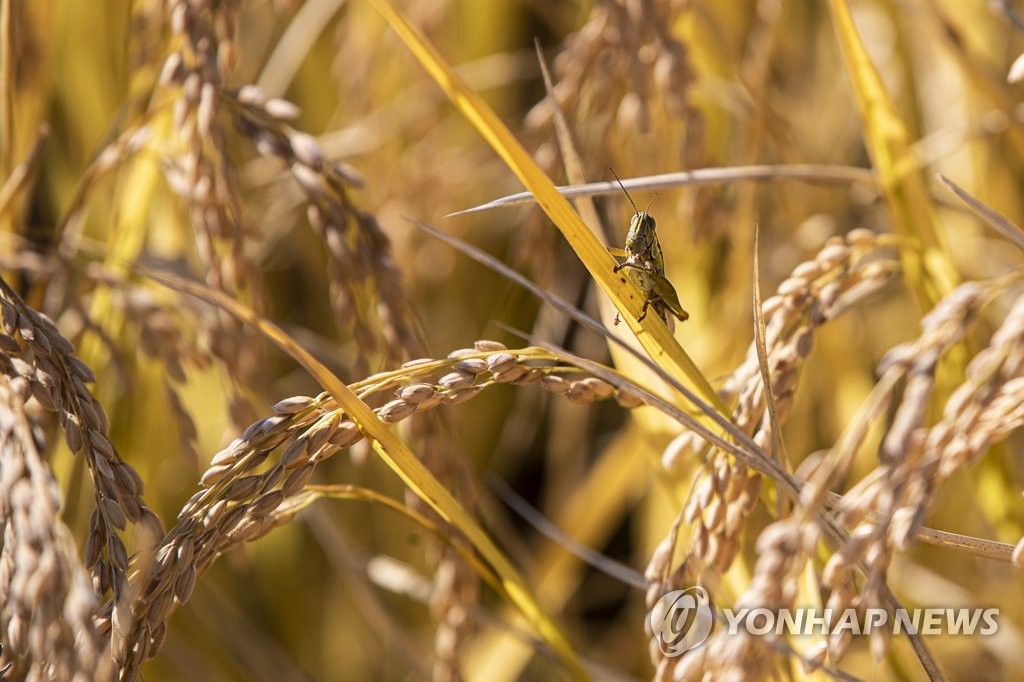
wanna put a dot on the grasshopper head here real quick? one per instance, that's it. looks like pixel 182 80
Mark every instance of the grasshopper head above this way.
pixel 641 234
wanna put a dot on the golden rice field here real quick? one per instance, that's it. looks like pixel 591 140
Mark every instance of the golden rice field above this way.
pixel 270 411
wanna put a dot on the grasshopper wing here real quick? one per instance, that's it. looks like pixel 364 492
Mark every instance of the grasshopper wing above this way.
pixel 666 293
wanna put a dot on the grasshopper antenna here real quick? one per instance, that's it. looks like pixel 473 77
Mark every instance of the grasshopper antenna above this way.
pixel 635 209
pixel 649 202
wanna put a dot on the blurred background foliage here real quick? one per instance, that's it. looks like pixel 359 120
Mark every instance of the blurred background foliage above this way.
pixel 649 87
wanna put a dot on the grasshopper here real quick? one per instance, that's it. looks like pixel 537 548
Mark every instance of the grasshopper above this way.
pixel 645 264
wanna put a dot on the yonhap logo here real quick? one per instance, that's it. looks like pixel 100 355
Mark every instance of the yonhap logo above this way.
pixel 5 669
pixel 681 620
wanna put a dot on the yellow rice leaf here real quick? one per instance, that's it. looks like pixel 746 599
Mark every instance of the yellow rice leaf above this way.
pixel 927 264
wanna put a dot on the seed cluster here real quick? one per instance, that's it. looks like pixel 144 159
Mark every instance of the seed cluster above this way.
pixel 889 508
pixel 38 362
pixel 202 176
pixel 842 274
pixel 366 291
pixel 47 599
pixel 988 406
pixel 846 271
pixel 243 496
pixel 781 548
pixel 628 41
